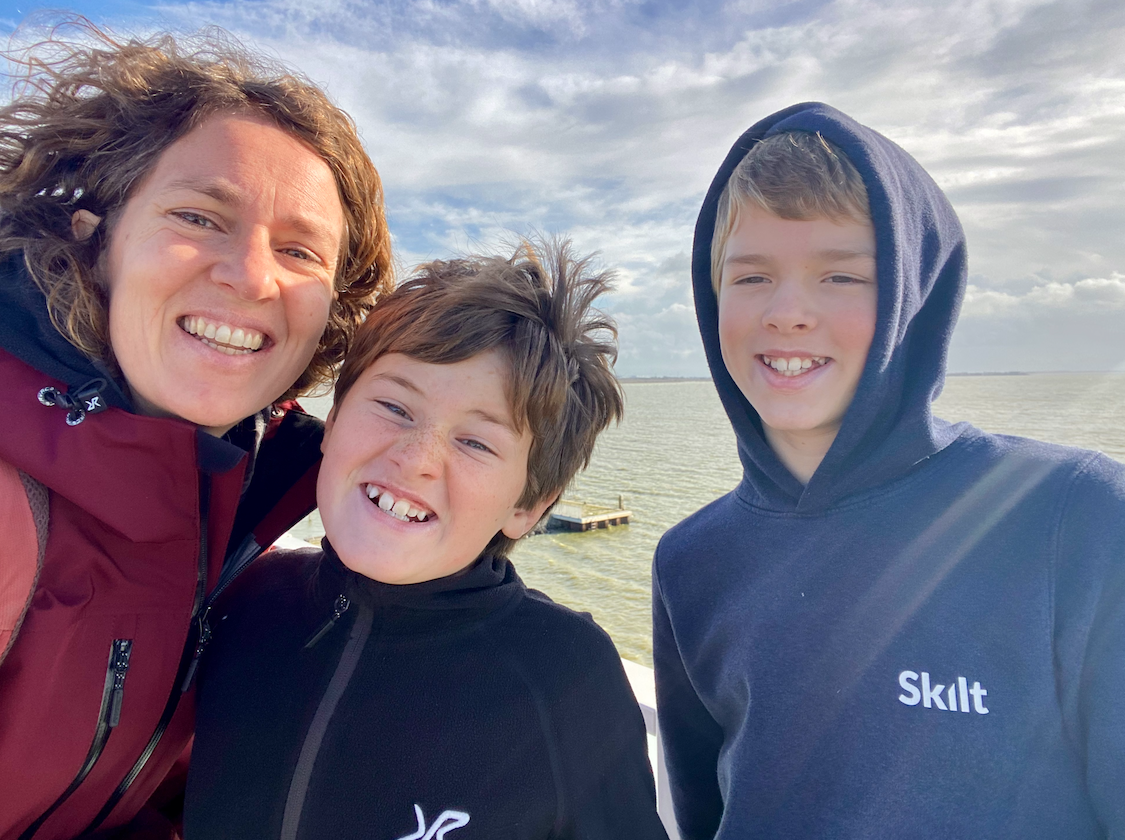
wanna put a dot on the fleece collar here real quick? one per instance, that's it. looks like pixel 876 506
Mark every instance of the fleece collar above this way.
pixel 487 588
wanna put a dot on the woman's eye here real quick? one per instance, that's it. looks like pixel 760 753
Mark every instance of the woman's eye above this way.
pixel 195 219
pixel 844 279
pixel 749 280
pixel 299 253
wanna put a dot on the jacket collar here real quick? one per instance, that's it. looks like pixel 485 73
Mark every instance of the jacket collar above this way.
pixel 485 588
pixel 27 333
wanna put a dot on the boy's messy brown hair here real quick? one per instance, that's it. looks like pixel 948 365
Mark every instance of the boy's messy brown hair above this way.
pixel 535 308
pixel 795 175
pixel 89 117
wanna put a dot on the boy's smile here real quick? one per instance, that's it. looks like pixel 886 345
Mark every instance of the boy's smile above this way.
pixel 422 467
pixel 797 305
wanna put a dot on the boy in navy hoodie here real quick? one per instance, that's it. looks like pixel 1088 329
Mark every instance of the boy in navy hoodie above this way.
pixel 894 626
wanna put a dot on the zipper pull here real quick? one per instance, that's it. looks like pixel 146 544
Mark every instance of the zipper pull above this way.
pixel 204 637
pixel 338 609
pixel 122 649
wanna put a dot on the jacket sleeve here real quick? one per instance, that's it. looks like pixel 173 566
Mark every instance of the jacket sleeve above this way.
pixel 692 738
pixel 1090 634
pixel 606 789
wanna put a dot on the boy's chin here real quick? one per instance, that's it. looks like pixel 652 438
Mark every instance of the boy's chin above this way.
pixel 401 576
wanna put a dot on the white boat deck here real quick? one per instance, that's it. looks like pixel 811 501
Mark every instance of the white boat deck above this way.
pixel 644 689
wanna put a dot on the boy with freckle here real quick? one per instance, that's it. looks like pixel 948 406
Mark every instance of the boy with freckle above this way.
pixel 894 626
pixel 401 683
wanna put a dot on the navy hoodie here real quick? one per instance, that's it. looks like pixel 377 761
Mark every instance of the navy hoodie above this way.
pixel 927 639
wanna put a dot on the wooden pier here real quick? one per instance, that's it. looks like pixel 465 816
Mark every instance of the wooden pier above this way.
pixel 571 515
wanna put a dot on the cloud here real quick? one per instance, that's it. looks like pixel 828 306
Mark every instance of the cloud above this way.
pixel 1083 297
pixel 1053 326
pixel 608 118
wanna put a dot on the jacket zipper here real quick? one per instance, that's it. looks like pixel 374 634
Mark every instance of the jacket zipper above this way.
pixel 203 627
pixel 338 609
pixel 109 716
pixel 185 664
pixel 318 728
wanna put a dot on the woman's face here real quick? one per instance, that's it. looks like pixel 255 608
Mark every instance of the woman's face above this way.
pixel 221 270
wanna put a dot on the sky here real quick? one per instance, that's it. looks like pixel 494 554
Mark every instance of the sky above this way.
pixel 605 120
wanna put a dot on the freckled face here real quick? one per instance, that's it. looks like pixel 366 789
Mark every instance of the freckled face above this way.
pixel 797 310
pixel 220 271
pixel 422 467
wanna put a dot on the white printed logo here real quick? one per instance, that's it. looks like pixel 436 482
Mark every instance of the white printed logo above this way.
pixel 445 823
pixel 955 699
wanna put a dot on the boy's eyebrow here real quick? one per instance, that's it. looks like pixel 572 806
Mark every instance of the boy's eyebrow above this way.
pixel 828 254
pixel 498 421
pixel 846 254
pixel 400 380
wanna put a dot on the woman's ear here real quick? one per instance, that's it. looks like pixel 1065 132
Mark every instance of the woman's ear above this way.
pixel 83 223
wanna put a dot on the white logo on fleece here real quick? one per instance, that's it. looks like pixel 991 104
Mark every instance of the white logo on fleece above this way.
pixel 445 823
pixel 956 699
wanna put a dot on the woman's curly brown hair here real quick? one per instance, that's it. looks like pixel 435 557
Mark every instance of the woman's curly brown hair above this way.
pixel 90 116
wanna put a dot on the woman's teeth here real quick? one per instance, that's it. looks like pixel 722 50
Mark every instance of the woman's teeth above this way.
pixel 234 341
pixel 793 366
pixel 398 508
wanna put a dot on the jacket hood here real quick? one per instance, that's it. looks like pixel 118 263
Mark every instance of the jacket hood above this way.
pixel 27 333
pixel 921 274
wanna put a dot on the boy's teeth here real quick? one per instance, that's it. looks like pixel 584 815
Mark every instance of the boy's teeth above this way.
pixel 230 340
pixel 398 508
pixel 794 365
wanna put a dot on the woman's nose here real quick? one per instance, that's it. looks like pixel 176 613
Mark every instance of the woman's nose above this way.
pixel 250 268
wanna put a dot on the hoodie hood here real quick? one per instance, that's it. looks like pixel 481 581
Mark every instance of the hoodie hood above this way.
pixel 921 272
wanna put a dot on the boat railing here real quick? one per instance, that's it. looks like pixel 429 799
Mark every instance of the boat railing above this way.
pixel 644 689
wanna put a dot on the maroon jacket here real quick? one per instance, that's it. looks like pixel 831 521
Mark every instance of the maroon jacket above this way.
pixel 133 517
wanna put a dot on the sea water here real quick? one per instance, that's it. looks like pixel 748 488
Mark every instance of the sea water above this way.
pixel 675 452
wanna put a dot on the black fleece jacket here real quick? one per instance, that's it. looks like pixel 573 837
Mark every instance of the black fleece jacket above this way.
pixel 332 705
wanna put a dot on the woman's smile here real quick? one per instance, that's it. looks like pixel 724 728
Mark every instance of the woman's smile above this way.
pixel 220 271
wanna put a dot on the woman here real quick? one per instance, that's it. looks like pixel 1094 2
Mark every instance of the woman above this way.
pixel 187 241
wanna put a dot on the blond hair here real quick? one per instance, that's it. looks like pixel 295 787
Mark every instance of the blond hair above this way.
pixel 795 175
